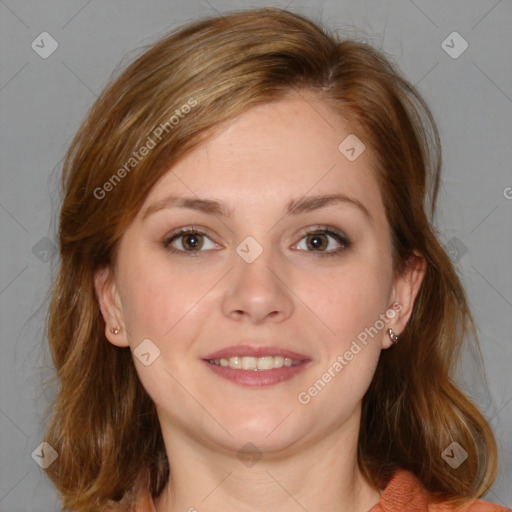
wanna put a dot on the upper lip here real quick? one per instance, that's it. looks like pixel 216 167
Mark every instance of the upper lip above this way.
pixel 255 351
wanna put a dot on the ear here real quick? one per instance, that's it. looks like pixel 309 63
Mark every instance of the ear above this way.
pixel 405 290
pixel 110 306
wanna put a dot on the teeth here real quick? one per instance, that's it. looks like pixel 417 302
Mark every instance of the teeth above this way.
pixel 265 363
pixel 255 363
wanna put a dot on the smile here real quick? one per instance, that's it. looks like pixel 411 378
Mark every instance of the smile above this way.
pixel 255 363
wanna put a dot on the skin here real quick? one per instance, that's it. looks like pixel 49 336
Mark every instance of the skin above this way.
pixel 292 296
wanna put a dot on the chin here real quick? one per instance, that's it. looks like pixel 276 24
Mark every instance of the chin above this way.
pixel 272 432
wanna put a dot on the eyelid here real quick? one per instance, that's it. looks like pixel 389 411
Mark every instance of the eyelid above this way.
pixel 187 229
pixel 320 228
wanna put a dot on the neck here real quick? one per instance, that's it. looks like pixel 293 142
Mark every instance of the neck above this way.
pixel 319 477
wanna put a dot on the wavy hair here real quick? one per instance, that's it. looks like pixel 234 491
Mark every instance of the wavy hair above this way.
pixel 103 424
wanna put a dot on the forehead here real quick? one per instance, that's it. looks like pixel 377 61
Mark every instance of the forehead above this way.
pixel 277 152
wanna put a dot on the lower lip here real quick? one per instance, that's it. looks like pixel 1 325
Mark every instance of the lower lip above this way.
pixel 258 378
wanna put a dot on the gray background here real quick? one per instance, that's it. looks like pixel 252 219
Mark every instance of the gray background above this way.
pixel 43 101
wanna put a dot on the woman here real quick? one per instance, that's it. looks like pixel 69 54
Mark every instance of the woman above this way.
pixel 253 311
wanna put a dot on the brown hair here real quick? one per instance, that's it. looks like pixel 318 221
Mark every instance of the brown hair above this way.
pixel 104 425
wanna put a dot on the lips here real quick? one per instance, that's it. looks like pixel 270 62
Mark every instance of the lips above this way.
pixel 238 364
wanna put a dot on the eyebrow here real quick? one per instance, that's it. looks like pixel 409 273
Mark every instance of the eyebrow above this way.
pixel 295 207
pixel 211 206
pixel 310 203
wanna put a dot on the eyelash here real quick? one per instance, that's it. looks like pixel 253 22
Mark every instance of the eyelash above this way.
pixel 322 230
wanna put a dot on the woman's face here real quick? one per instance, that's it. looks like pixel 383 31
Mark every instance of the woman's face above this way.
pixel 286 252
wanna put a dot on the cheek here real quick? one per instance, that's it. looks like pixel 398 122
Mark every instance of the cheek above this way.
pixel 351 299
pixel 159 300
pixel 353 306
pixel 168 308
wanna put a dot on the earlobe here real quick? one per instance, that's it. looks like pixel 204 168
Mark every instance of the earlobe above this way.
pixel 405 290
pixel 111 307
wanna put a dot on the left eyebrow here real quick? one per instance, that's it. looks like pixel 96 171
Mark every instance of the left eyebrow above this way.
pixel 310 203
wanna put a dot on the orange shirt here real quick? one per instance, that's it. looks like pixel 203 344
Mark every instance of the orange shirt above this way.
pixel 404 493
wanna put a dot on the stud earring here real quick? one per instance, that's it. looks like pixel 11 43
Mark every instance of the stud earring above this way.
pixel 393 336
pixel 115 330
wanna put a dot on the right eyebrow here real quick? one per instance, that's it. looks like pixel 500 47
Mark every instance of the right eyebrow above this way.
pixel 211 206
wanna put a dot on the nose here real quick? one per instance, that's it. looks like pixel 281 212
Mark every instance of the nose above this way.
pixel 256 292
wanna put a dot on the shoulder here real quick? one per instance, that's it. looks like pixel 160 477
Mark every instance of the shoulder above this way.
pixel 405 492
pixel 476 506
pixel 485 506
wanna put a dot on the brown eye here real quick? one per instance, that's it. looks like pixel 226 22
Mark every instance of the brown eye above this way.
pixel 324 241
pixel 192 242
pixel 189 241
pixel 317 242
